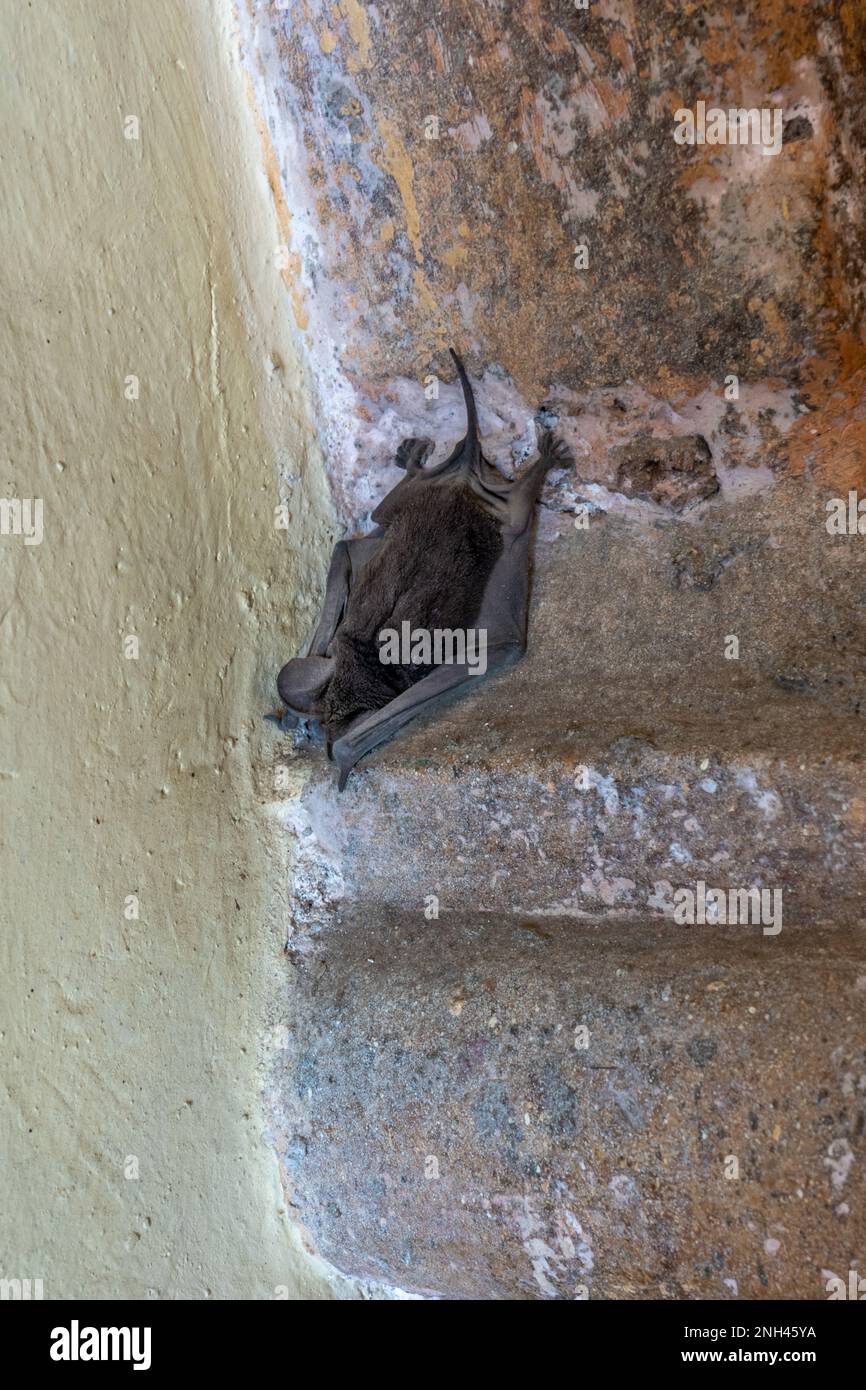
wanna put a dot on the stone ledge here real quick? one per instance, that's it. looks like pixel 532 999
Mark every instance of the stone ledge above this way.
pixel 440 1129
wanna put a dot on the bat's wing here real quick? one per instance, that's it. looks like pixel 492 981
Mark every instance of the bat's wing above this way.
pixel 503 619
pixel 303 679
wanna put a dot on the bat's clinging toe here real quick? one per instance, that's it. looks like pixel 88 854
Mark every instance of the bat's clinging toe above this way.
pixel 554 451
pixel 411 453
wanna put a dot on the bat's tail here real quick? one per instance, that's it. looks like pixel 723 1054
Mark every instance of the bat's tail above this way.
pixel 471 412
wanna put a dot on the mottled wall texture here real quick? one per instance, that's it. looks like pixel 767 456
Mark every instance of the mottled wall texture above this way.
pixel 505 177
pixel 508 178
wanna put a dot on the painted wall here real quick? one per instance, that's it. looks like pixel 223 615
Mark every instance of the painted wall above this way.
pixel 133 1158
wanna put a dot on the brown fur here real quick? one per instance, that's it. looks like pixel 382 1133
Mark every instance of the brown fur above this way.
pixel 431 571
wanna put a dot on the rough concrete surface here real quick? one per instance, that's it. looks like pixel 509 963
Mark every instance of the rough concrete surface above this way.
pixel 489 1106
pixel 626 751
pixel 690 318
pixel 508 871
pixel 445 167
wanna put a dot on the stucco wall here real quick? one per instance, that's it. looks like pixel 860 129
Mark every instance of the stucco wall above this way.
pixel 135 1045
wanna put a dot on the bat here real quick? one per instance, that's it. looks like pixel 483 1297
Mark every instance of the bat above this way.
pixel 450 555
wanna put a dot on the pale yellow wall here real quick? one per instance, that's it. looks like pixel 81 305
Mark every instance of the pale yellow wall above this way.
pixel 125 777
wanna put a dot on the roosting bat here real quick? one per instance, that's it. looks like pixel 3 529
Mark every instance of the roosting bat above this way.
pixel 450 553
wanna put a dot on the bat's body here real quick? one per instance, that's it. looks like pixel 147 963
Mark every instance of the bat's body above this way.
pixel 450 553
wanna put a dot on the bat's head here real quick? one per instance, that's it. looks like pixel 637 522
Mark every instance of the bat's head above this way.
pixel 303 681
pixel 359 683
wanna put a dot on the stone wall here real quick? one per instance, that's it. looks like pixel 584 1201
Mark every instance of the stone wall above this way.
pixel 441 171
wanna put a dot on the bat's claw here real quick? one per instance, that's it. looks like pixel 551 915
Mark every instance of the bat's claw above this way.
pixel 286 721
pixel 345 758
pixel 411 453
pixel 555 451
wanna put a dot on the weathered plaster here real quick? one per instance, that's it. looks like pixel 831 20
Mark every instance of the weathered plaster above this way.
pixel 143 1039
pixel 553 129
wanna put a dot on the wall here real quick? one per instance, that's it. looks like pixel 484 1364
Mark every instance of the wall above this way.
pixel 447 166
pixel 293 191
pixel 138 1042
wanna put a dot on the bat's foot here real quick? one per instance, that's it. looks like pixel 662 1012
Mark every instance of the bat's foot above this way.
pixel 411 453
pixel 555 452
pixel 287 721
